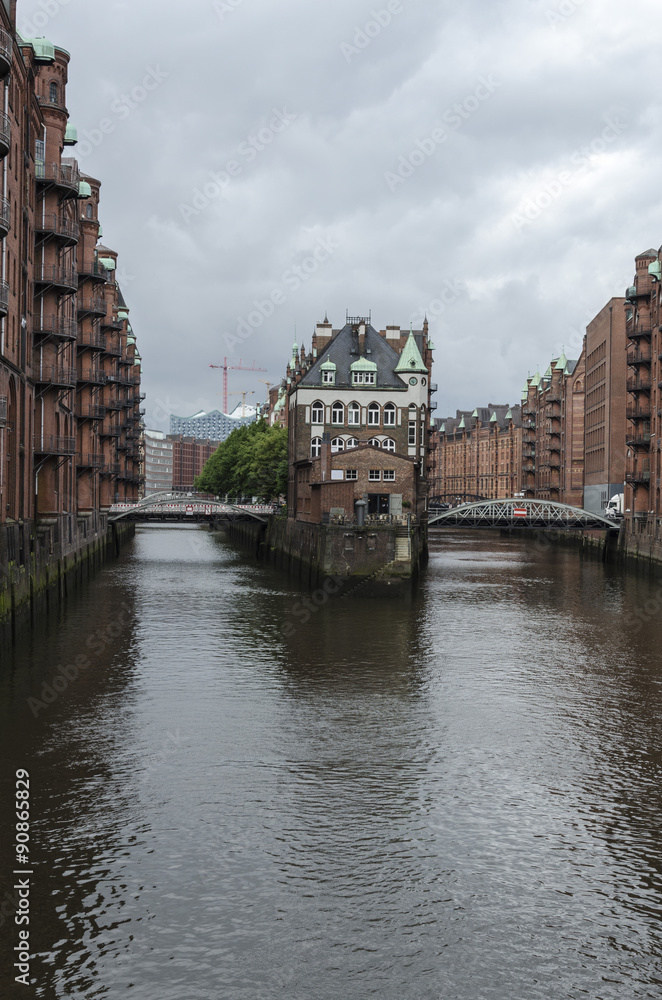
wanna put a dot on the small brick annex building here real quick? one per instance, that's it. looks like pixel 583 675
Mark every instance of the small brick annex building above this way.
pixel 359 416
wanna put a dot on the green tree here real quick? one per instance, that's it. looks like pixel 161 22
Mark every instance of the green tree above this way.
pixel 252 461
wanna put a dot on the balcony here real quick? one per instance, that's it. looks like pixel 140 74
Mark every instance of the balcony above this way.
pixel 110 432
pixel 111 470
pixel 92 339
pixel 5 53
pixel 528 451
pixel 49 444
pixel 5 134
pixel 636 330
pixel 55 375
pixel 114 404
pixel 112 347
pixel 90 460
pixel 4 298
pixel 90 411
pixel 638 476
pixel 57 275
pixel 93 376
pixel 63 175
pixel 639 355
pixel 94 270
pixel 529 411
pixel 112 322
pixel 433 386
pixel 638 384
pixel 66 230
pixel 91 305
pixel 433 405
pixel 55 326
pixel 528 466
pixel 641 411
pixel 638 439
pixel 5 217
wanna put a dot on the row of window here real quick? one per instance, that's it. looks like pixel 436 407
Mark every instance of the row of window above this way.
pixel 358 378
pixel 354 414
pixel 374 475
pixel 339 444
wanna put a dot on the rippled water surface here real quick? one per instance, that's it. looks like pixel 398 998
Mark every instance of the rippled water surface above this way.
pixel 456 796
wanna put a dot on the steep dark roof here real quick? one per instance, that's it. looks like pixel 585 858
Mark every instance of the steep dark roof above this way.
pixel 344 349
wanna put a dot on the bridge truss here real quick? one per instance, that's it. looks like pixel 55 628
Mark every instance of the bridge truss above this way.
pixel 187 507
pixel 521 513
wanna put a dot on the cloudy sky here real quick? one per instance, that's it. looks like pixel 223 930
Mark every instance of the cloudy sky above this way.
pixel 494 162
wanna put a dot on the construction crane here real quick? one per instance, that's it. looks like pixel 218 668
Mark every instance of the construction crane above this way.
pixel 243 394
pixel 225 367
pixel 268 385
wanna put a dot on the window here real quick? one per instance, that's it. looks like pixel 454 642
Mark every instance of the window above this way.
pixel 89 212
pixel 354 414
pixel 388 444
pixel 375 442
pixel 351 443
pixel 374 475
pixel 351 474
pixel 317 413
pixel 389 415
pixel 337 413
pixel 316 448
pixel 53 93
pixel 389 475
pixel 373 415
pixel 337 444
pixel 412 432
pixel 363 378
pixel 329 378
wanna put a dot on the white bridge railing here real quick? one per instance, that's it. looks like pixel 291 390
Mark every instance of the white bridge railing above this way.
pixel 523 513
pixel 184 505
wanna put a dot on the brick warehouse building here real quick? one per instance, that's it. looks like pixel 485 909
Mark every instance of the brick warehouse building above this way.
pixel 477 454
pixel 70 435
pixel 359 408
pixel 553 432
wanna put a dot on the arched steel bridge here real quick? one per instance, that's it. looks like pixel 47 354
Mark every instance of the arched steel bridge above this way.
pixel 187 507
pixel 521 513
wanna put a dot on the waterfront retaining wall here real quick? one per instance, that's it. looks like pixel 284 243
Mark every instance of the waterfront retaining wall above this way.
pixel 40 565
pixel 385 558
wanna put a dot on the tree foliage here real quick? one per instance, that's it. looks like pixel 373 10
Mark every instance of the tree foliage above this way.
pixel 252 461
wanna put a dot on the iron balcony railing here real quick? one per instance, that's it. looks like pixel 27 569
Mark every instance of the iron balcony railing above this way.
pixel 65 175
pixel 638 476
pixel 55 326
pixel 56 274
pixel 90 460
pixel 49 444
pixel 93 269
pixel 641 411
pixel 638 384
pixel 114 404
pixel 112 322
pixel 638 439
pixel 5 51
pixel 112 347
pixel 93 376
pixel 92 338
pixel 90 411
pixel 5 134
pixel 3 411
pixel 112 431
pixel 59 226
pixel 639 355
pixel 5 216
pixel 636 330
pixel 4 298
pixel 95 304
pixel 55 375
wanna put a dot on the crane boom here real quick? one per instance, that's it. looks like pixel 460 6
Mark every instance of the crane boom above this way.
pixel 225 367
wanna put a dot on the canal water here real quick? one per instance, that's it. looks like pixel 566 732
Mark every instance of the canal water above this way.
pixel 234 796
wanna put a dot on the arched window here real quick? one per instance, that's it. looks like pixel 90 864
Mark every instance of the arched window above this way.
pixel 337 444
pixel 373 415
pixel 53 92
pixel 375 443
pixel 388 444
pixel 351 443
pixel 354 414
pixel 316 448
pixel 337 413
pixel 317 412
pixel 389 415
pixel 89 212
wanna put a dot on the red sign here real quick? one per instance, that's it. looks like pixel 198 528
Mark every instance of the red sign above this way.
pixel 520 512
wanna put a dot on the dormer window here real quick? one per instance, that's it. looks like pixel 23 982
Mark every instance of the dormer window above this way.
pixel 364 372
pixel 328 373
pixel 363 378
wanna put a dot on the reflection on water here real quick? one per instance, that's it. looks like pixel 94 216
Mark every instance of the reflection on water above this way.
pixel 457 796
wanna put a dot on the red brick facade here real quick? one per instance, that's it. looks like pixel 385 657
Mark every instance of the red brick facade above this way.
pixel 477 454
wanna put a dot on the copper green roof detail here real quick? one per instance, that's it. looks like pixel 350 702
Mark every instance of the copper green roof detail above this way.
pixel 44 51
pixel 509 414
pixel 493 418
pixel 130 340
pixel 107 262
pixel 461 425
pixel 84 189
pixel 535 381
pixel 362 365
pixel 328 366
pixel 442 429
pixel 71 135
pixel 562 362
pixel 655 269
pixel 410 358
pixel 475 413
pixel 122 314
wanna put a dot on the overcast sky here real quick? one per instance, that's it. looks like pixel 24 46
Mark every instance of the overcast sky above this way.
pixel 494 162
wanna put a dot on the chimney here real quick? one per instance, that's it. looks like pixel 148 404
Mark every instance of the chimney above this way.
pixel 362 340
